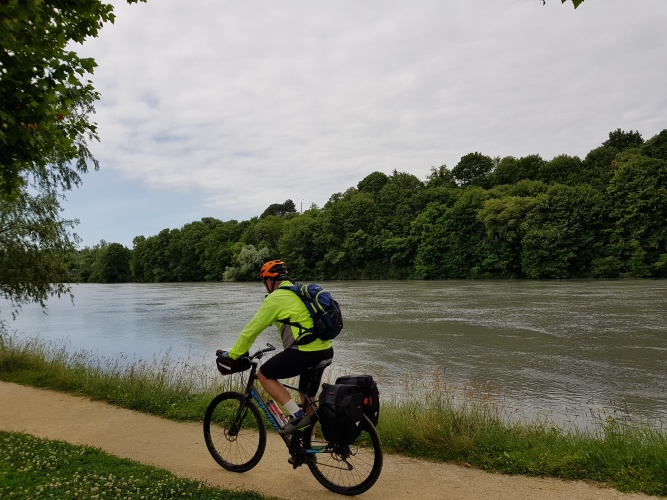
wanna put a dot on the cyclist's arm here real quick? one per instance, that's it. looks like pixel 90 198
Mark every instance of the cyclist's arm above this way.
pixel 265 317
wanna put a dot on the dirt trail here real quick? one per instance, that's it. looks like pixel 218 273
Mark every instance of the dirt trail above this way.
pixel 179 448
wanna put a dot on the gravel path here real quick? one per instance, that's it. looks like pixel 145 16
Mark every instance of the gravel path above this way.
pixel 180 448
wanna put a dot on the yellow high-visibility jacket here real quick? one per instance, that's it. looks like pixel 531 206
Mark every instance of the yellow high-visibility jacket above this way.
pixel 280 306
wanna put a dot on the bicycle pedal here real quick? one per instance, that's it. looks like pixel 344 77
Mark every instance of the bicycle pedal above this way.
pixel 296 461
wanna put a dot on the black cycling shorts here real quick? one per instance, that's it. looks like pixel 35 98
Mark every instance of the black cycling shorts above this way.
pixel 291 362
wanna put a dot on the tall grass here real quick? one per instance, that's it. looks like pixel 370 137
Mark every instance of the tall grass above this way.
pixel 175 389
pixel 468 426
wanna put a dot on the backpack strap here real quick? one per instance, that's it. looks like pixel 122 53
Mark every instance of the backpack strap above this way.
pixel 306 335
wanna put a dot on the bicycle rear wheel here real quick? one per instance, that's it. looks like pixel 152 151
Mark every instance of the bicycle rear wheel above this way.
pixel 234 432
pixel 349 469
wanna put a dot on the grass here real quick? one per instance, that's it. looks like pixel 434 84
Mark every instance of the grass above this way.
pixel 462 427
pixel 40 468
pixel 630 457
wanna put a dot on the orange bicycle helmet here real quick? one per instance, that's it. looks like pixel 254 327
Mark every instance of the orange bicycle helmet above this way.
pixel 273 269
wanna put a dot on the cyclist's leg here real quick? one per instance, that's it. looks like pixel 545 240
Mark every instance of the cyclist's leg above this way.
pixel 282 365
pixel 309 381
pixel 309 384
pixel 274 388
pixel 286 364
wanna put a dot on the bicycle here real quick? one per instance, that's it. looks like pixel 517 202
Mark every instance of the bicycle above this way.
pixel 235 435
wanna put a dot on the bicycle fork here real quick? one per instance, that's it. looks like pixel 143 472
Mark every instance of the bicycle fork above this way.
pixel 238 421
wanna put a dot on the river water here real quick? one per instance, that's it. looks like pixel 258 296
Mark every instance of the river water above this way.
pixel 569 351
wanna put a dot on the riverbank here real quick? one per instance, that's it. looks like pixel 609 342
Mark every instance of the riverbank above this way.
pixel 179 448
pixel 628 457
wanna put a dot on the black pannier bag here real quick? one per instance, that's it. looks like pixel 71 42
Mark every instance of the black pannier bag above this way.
pixel 341 412
pixel 369 389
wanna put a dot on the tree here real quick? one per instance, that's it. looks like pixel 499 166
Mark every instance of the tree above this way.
pixel 264 232
pixel 45 126
pixel 112 265
pixel 451 241
pixel 656 147
pixel 504 221
pixel 563 233
pixel 596 168
pixel 373 183
pixel 472 167
pixel 279 209
pixel 297 245
pixel 216 247
pixel 576 3
pixel 249 260
pixel 622 140
pixel 46 102
pixel 440 177
pixel 34 248
pixel 83 262
pixel 398 202
pixel 559 169
pixel 638 192
pixel 510 170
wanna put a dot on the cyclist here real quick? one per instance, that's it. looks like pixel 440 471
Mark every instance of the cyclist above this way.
pixel 301 350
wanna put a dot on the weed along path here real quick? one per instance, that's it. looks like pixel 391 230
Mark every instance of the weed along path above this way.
pixel 179 448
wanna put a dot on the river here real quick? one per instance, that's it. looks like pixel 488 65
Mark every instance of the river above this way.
pixel 569 351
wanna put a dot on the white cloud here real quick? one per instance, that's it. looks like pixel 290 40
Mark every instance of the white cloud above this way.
pixel 251 103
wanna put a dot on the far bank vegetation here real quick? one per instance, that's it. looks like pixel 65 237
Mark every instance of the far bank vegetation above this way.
pixel 602 216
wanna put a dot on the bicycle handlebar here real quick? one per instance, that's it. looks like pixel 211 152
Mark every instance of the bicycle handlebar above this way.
pixel 259 354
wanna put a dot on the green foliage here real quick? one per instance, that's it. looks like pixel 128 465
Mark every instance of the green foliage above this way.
pixel 623 140
pixel 576 3
pixel 511 170
pixel 45 101
pixel 602 216
pixel 35 248
pixel 440 177
pixel 472 168
pixel 45 127
pixel 452 242
pixel 264 232
pixel 596 168
pixel 112 264
pixel 248 260
pixel 279 209
pixel 638 194
pixel 298 243
pixel 373 183
pixel 560 169
pixel 563 233
pixel 504 220
pixel 656 147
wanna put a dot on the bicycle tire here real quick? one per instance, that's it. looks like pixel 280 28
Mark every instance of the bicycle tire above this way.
pixel 347 470
pixel 234 432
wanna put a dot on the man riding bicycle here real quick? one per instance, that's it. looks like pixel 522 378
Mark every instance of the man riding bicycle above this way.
pixel 285 309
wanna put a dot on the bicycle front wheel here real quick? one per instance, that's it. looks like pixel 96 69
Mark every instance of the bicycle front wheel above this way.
pixel 346 469
pixel 234 432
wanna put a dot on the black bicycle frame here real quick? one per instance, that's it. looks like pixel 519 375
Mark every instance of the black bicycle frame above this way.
pixel 251 392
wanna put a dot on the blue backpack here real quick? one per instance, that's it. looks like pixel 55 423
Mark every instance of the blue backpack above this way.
pixel 325 311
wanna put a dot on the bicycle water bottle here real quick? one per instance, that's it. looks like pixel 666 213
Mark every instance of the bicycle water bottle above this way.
pixel 275 410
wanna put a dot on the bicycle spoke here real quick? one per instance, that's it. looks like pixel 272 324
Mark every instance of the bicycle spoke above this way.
pixel 349 470
pixel 234 432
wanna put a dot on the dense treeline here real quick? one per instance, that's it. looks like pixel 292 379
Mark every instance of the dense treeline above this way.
pixel 601 216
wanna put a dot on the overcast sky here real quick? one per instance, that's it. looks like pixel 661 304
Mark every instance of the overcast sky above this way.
pixel 218 108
